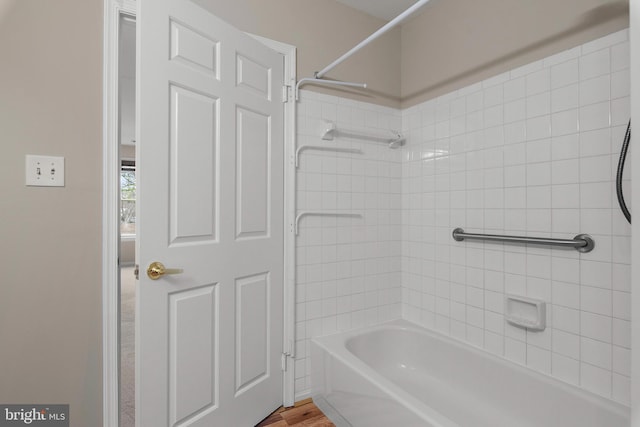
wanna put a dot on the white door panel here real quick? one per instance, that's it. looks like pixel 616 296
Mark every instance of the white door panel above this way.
pixel 210 161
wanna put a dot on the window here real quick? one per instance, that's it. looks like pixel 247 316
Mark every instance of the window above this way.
pixel 128 198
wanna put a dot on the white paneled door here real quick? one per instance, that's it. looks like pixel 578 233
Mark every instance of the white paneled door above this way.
pixel 210 162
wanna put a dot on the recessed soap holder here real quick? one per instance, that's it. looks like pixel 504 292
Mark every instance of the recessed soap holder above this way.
pixel 525 312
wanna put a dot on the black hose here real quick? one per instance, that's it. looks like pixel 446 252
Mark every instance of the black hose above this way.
pixel 623 158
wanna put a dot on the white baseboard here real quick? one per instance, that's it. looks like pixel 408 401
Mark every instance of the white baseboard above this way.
pixel 303 395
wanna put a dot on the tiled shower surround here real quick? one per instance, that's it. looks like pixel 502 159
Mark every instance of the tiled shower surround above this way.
pixel 529 152
pixel 348 268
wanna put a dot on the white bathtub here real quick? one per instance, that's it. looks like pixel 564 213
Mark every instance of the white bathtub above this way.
pixel 399 374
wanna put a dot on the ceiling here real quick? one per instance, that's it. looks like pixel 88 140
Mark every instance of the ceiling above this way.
pixel 384 9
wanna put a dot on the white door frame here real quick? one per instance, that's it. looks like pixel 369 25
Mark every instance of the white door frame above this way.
pixel 289 319
pixel 113 9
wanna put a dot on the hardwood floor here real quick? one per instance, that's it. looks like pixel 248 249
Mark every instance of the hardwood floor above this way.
pixel 302 414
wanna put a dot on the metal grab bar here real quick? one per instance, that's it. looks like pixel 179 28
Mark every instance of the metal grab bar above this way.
pixel 582 242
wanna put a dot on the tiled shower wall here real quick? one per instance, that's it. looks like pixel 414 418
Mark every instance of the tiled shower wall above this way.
pixel 348 268
pixel 529 152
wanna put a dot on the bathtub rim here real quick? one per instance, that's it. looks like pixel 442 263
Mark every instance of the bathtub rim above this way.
pixel 396 393
pixel 336 346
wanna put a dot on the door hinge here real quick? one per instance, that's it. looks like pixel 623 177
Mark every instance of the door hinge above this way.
pixel 287 354
pixel 291 349
pixel 286 89
pixel 136 272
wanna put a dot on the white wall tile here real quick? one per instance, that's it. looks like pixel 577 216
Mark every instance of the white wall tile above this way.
pixel 620 82
pixel 596 353
pixel 566 319
pixel 539 162
pixel 515 110
pixel 596 300
pixel 539 359
pixel 595 195
pixel 493 95
pixel 621 389
pixel 595 169
pixel 539 105
pixel 620 111
pixel 622 305
pixel 566 344
pixel 620 56
pixel 530 151
pixel 565 172
pixel 565 368
pixel 621 333
pixel 566 122
pixel 595 64
pixel 539 151
pixel 595 90
pixel 565 98
pixel 514 89
pixel 596 326
pixel 539 173
pixel 344 283
pixel 595 142
pixel 597 221
pixel 595 379
pixel 538 128
pixel 597 274
pixel 515 350
pixel 538 81
pixel 565 73
pixel 595 116
pixel 621 360
pixel 565 146
pixel 566 294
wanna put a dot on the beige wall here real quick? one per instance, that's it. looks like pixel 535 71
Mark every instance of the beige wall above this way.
pixel 50 288
pixel 449 44
pixel 322 31
pixel 453 43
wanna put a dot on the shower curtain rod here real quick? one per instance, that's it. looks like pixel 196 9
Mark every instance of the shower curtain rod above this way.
pixel 325 82
pixel 389 25
pixel 317 78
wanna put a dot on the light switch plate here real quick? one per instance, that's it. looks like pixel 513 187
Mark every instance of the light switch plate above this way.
pixel 44 171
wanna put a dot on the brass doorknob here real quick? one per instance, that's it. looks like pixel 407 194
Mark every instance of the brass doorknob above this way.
pixel 157 269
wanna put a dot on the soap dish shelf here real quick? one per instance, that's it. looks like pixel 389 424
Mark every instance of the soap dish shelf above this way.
pixel 525 312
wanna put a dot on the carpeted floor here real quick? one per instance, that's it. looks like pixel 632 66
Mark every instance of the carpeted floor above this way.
pixel 127 347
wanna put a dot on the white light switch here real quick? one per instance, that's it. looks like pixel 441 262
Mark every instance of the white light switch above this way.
pixel 44 171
